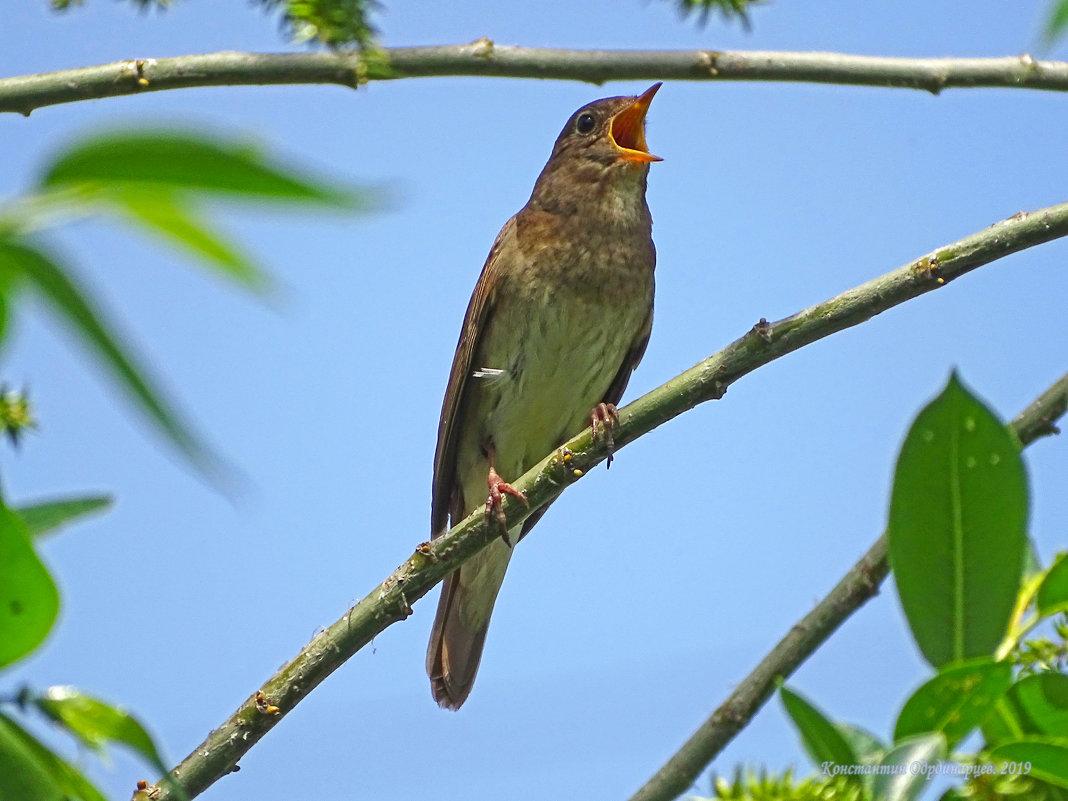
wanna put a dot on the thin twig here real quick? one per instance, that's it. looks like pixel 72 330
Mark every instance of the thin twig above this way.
pixel 23 94
pixel 859 585
pixel 708 380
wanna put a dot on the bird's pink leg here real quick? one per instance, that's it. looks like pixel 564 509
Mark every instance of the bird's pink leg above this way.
pixel 604 416
pixel 494 503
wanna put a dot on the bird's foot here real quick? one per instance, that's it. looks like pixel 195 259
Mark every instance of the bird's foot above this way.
pixel 495 505
pixel 604 417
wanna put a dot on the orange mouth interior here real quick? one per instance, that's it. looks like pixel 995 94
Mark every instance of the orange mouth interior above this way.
pixel 628 128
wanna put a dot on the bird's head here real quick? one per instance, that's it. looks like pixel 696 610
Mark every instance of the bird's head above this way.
pixel 609 132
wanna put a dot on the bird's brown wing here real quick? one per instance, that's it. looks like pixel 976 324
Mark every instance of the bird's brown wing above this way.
pixel 455 647
pixel 447 492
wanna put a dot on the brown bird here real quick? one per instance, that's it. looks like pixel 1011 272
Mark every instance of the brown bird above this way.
pixel 558 320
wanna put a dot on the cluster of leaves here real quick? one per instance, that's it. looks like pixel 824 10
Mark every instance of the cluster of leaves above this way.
pixel 153 181
pixel 760 785
pixel 335 23
pixel 728 9
pixel 971 589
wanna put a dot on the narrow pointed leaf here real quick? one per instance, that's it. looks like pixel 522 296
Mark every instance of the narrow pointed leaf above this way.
pixel 958 520
pixel 23 776
pixel 955 701
pixel 70 303
pixel 1057 23
pixel 29 600
pixel 165 159
pixel 67 779
pixel 1053 592
pixel 820 737
pixel 96 723
pixel 47 516
pixel 911 759
pixel 1044 758
pixel 163 214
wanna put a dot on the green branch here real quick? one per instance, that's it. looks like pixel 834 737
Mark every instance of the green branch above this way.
pixel 391 600
pixel 859 585
pixel 23 94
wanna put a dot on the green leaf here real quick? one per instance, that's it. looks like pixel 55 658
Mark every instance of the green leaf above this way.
pixel 865 745
pixel 69 781
pixel 1005 723
pixel 47 516
pixel 29 600
pixel 95 723
pixel 163 213
pixel 955 701
pixel 70 303
pixel 958 527
pixel 23 775
pixel 1057 23
pixel 1053 592
pixel 1044 758
pixel 1044 699
pixel 336 23
pixel 910 761
pixel 165 161
pixel 822 740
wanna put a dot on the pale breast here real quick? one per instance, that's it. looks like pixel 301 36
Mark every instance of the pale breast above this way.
pixel 559 340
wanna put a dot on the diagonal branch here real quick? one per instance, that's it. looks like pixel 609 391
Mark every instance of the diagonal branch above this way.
pixel 391 600
pixel 858 586
pixel 483 58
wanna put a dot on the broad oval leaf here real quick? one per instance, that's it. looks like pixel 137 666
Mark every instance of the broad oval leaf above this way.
pixel 1053 592
pixel 865 745
pixel 1044 699
pixel 181 161
pixel 1044 758
pixel 955 701
pixel 907 766
pixel 958 527
pixel 820 737
pixel 29 600
pixel 95 723
pixel 45 517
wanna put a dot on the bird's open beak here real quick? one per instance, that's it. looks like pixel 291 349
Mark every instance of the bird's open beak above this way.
pixel 628 129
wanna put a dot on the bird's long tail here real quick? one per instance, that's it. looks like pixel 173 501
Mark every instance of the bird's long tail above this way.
pixel 459 632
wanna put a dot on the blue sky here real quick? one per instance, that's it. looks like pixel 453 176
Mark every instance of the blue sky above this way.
pixel 646 594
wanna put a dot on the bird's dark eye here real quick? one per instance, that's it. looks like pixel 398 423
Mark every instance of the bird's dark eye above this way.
pixel 585 123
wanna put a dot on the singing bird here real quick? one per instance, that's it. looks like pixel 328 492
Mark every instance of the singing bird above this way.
pixel 559 319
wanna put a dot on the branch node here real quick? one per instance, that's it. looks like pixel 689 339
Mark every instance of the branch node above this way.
pixel 482 47
pixel 263 706
pixel 936 84
pixel 706 62
pixel 762 331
